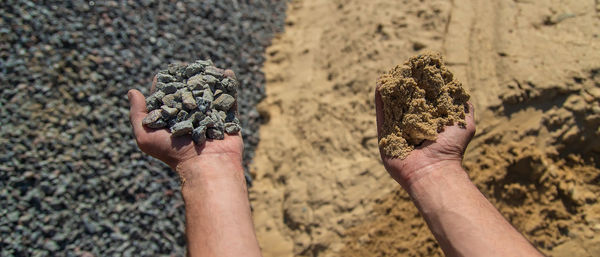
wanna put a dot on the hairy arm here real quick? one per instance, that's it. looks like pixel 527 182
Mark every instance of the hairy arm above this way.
pixel 218 218
pixel 462 220
pixel 217 210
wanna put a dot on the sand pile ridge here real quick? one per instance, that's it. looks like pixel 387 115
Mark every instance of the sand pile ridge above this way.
pixel 419 99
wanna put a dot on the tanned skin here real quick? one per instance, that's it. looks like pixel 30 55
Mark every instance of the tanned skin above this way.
pixel 218 217
pixel 217 210
pixel 462 220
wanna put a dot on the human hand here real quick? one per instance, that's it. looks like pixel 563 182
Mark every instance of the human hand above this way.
pixel 445 152
pixel 174 151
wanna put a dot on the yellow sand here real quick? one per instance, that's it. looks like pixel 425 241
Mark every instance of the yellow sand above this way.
pixel 419 99
pixel 320 187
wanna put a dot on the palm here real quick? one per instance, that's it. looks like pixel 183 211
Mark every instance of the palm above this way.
pixel 448 147
pixel 173 150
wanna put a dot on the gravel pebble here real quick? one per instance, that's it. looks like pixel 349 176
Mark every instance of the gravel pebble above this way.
pixel 168 112
pixel 214 133
pixel 154 119
pixel 196 81
pixel 199 135
pixel 224 102
pixel 194 69
pixel 232 128
pixel 165 88
pixel 168 100
pixel 165 78
pixel 188 100
pixel 182 128
pixel 66 67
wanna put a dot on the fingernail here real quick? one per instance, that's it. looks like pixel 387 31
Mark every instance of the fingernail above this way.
pixel 129 94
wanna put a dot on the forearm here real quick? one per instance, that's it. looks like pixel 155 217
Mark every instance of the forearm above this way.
pixel 218 218
pixel 464 222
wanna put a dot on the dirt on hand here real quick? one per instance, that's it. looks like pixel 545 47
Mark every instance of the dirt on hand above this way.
pixel 419 99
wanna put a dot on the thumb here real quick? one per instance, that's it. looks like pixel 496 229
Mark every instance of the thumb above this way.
pixel 470 120
pixel 137 111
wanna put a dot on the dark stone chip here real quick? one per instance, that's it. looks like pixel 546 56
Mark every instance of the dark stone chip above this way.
pixel 199 135
pixel 165 78
pixel 214 133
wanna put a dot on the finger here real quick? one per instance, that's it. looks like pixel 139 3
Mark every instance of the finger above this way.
pixel 470 118
pixel 153 88
pixel 137 111
pixel 230 74
pixel 378 111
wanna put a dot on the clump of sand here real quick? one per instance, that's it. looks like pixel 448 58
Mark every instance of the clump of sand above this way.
pixel 419 99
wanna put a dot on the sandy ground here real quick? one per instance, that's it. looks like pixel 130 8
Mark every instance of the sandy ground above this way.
pixel 533 71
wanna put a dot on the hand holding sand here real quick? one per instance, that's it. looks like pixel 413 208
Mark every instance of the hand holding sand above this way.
pixel 424 124
pixel 429 156
pixel 422 119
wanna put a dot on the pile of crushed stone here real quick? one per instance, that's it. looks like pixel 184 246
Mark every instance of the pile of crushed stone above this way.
pixel 196 99
pixel 419 99
pixel 73 181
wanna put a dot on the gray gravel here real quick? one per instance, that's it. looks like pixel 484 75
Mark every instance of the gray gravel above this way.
pixel 72 180
pixel 197 93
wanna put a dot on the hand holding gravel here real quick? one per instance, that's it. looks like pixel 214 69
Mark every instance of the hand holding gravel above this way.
pixel 196 99
pixel 200 103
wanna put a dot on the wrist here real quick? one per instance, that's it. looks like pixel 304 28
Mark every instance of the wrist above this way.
pixel 413 175
pixel 434 177
pixel 202 170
